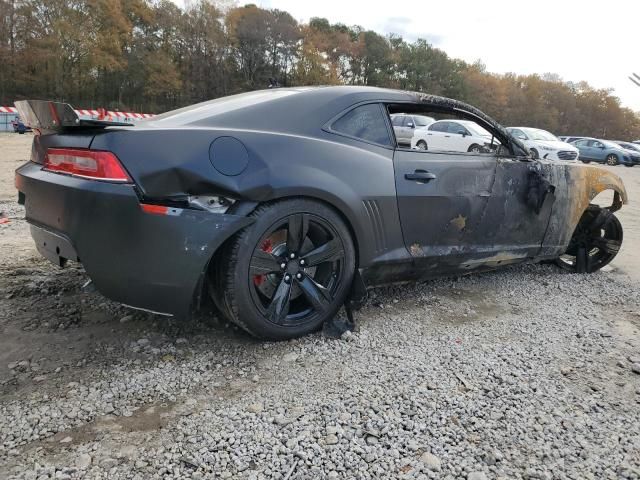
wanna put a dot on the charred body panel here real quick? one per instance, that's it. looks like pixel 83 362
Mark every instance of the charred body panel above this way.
pixel 576 186
pixel 476 213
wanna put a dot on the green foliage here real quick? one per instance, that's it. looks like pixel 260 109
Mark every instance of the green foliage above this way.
pixel 150 55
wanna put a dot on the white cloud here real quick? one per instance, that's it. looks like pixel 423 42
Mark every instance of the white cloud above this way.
pixel 579 40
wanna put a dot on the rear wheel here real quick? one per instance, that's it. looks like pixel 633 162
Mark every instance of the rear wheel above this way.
pixel 612 159
pixel 422 145
pixel 287 273
pixel 595 241
pixel 475 148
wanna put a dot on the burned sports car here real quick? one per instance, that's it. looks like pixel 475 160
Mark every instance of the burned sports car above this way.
pixel 282 205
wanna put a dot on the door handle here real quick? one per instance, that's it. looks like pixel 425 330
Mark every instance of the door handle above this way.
pixel 420 176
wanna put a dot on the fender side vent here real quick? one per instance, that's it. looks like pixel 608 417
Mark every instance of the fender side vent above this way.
pixel 375 219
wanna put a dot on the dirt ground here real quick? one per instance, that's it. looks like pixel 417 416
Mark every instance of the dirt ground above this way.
pixel 55 338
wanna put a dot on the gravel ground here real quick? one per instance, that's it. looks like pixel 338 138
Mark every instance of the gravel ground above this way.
pixel 526 372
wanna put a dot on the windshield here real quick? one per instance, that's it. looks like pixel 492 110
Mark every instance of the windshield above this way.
pixel 422 121
pixel 222 105
pixel 543 135
pixel 476 129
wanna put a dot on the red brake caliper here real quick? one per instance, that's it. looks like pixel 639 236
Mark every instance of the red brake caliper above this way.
pixel 266 246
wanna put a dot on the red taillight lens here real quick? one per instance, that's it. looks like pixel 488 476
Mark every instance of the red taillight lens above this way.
pixel 92 164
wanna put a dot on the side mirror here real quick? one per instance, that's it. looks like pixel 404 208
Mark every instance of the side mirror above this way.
pixel 601 147
pixel 410 125
pixel 462 132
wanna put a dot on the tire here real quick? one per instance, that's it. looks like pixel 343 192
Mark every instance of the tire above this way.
pixel 422 145
pixel 585 161
pixel 534 153
pixel 629 165
pixel 474 148
pixel 611 159
pixel 289 272
pixel 595 242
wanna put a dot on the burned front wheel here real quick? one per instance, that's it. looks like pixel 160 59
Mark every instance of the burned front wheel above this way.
pixel 595 241
pixel 289 272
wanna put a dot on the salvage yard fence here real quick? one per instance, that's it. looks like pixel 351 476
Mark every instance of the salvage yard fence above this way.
pixel 9 114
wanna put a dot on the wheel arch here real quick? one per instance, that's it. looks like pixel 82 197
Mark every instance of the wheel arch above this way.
pixel 247 208
pixel 591 182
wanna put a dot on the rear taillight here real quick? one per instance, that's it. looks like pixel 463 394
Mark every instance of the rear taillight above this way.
pixel 92 164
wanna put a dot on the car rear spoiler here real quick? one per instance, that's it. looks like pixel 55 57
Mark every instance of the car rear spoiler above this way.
pixel 55 116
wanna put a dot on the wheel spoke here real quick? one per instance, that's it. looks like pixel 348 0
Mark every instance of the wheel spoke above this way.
pixel 297 231
pixel 328 252
pixel 279 306
pixel 601 220
pixel 318 296
pixel 263 262
pixel 611 247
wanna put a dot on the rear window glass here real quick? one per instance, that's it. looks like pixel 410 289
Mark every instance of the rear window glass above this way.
pixel 365 122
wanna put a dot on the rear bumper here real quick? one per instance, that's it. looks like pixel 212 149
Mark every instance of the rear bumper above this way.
pixel 148 261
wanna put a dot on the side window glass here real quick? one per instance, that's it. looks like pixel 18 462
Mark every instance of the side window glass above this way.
pixel 518 134
pixel 365 122
pixel 439 127
pixel 397 120
pixel 457 129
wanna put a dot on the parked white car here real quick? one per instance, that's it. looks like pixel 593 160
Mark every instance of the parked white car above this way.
pixel 453 136
pixel 543 144
pixel 405 125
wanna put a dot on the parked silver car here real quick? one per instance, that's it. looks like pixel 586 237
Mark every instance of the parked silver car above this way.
pixel 405 125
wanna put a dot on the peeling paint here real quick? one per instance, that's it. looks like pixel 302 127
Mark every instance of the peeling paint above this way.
pixel 416 250
pixel 459 222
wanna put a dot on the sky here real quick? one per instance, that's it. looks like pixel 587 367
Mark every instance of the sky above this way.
pixel 596 41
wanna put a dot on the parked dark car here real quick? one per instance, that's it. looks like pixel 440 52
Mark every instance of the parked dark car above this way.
pixel 281 205
pixel 19 126
pixel 604 151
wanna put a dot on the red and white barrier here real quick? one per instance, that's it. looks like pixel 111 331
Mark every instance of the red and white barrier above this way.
pixel 95 114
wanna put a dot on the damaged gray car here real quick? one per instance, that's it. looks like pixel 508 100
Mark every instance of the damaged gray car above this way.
pixel 280 206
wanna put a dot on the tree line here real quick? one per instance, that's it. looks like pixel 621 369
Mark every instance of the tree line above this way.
pixel 152 56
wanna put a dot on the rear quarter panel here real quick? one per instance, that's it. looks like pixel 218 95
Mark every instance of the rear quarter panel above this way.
pixel 356 178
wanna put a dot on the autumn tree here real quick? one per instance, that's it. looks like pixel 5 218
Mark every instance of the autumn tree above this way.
pixel 152 55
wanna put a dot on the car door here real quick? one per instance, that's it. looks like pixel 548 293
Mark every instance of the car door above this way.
pixel 461 138
pixel 398 121
pixel 598 151
pixel 437 136
pixel 584 149
pixel 464 211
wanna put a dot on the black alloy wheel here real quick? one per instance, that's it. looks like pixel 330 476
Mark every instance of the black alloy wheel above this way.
pixel 290 271
pixel 595 242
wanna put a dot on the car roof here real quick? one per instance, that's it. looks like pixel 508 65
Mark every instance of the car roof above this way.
pixel 305 110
